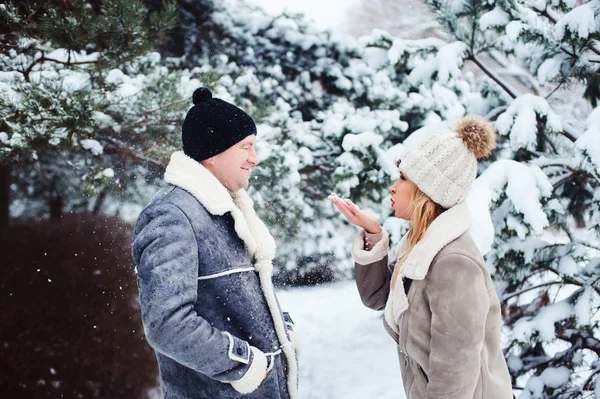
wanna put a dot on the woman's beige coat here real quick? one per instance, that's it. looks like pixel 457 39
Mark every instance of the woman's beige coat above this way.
pixel 448 327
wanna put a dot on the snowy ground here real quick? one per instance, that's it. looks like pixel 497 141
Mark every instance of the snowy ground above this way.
pixel 344 351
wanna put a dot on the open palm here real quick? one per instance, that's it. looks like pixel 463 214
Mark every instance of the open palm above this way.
pixel 355 215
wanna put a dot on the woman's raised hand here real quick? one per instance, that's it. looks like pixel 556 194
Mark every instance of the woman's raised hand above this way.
pixel 355 215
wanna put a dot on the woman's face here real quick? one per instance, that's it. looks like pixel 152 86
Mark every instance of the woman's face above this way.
pixel 402 191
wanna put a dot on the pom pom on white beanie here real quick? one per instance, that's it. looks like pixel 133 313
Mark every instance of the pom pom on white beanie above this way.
pixel 445 165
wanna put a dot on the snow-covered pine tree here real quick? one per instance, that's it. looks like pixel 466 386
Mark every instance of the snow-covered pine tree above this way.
pixel 79 87
pixel 537 204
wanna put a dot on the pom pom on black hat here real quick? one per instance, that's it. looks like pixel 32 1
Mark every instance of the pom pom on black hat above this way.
pixel 201 95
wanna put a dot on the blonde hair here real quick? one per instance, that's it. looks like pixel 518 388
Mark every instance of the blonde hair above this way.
pixel 424 212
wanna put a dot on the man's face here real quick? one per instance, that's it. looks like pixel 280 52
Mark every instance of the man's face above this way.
pixel 232 166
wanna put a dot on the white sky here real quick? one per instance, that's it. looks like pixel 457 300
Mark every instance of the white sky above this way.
pixel 328 14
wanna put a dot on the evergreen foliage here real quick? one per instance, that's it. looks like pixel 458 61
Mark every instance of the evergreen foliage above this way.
pixel 92 123
pixel 68 134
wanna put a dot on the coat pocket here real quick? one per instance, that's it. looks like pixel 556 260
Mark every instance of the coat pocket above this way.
pixel 289 325
pixel 408 376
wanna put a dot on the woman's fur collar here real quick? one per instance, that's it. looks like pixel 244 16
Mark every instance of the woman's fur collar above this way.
pixel 446 228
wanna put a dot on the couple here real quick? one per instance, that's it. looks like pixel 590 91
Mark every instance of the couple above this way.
pixel 204 264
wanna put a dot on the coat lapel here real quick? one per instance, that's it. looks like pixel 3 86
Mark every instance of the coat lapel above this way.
pixel 446 228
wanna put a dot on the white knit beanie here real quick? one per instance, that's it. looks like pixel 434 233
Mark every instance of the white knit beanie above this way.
pixel 445 165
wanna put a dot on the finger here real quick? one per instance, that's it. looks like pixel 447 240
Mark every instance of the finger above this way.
pixel 344 205
pixel 352 206
pixel 339 202
pixel 347 205
pixel 344 210
pixel 334 198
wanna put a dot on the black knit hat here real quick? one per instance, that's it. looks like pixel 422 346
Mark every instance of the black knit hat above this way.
pixel 212 125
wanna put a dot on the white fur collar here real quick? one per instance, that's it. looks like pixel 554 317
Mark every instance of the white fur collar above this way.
pixel 190 175
pixel 445 228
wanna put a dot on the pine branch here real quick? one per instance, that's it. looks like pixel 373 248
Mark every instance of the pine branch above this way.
pixel 578 242
pixel 494 113
pixel 505 299
pixel 326 142
pixel 545 14
pixel 69 63
pixel 550 143
pixel 43 59
pixel 592 47
pixel 565 279
pixel 127 148
pixel 147 121
pixel 561 165
pixel 475 15
pixel 581 340
pixel 326 154
pixel 536 362
pixel 512 92
pixel 165 106
pixel 585 244
pixel 589 380
pixel 523 77
pixel 146 114
pixel 554 91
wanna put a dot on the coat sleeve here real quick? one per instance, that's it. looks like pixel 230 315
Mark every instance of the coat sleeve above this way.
pixel 166 255
pixel 459 303
pixel 371 271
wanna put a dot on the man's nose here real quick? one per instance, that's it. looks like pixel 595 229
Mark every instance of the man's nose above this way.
pixel 253 158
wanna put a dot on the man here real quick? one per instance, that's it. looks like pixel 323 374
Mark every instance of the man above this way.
pixel 204 264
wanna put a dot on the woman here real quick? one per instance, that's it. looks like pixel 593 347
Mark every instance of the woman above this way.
pixel 440 304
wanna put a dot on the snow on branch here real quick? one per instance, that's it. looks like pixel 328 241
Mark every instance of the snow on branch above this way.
pixel 446 63
pixel 581 21
pixel 512 179
pixel 520 121
pixel 589 142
